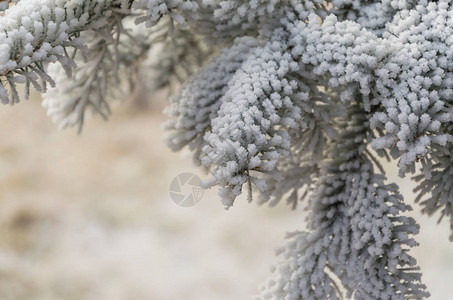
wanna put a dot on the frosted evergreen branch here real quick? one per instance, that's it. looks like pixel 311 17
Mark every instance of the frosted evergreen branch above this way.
pixel 259 109
pixel 98 76
pixel 379 69
pixel 34 32
pixel 358 237
pixel 198 101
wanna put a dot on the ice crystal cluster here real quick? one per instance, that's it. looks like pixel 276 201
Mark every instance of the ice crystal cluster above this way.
pixel 279 99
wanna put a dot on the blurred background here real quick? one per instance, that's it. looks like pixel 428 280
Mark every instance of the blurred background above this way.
pixel 90 217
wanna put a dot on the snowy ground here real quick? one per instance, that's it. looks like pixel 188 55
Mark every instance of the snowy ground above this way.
pixel 90 217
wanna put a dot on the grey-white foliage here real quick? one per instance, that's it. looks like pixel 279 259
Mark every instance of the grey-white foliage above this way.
pixel 280 99
pixel 107 58
pixel 372 15
pixel 199 99
pixel 358 231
